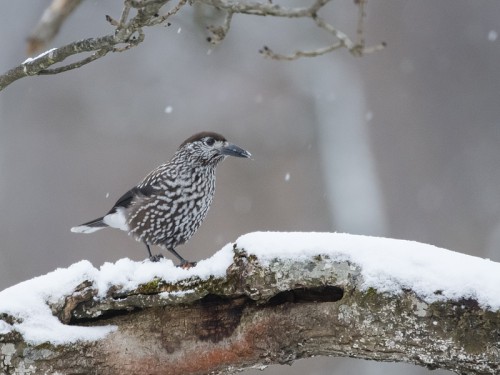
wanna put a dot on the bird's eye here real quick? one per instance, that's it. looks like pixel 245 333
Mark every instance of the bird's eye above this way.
pixel 209 141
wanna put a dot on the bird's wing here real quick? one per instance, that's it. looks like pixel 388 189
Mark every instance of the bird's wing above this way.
pixel 126 199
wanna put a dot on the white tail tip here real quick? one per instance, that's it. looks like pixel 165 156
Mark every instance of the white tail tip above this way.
pixel 85 229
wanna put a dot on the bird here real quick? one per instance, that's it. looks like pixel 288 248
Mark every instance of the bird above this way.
pixel 168 206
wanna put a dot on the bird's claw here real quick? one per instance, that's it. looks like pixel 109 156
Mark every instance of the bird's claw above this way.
pixel 156 258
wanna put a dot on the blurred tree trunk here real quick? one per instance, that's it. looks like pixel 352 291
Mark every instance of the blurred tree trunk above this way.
pixel 258 315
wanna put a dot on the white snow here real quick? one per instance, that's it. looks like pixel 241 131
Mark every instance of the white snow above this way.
pixel 5 327
pixel 492 35
pixel 169 109
pixel 30 59
pixel 130 274
pixel 28 301
pixel 388 265
pixel 287 177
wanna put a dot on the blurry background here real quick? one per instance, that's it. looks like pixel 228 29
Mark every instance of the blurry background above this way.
pixel 403 143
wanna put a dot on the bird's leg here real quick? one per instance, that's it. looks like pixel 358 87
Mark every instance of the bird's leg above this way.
pixel 184 263
pixel 153 258
pixel 148 249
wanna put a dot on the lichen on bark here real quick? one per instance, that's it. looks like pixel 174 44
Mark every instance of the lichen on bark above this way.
pixel 263 312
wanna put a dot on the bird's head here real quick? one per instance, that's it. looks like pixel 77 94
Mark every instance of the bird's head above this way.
pixel 210 148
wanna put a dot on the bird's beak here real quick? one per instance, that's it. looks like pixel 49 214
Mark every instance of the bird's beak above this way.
pixel 233 150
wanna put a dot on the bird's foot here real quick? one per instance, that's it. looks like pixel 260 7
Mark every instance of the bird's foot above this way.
pixel 187 265
pixel 156 258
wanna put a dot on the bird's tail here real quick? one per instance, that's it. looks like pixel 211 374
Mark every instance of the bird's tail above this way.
pixel 90 227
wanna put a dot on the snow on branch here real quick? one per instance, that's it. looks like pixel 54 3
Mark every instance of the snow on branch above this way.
pixel 268 298
pixel 138 14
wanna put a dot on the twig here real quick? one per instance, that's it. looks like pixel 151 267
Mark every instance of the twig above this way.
pixel 361 19
pixel 174 10
pixel 128 32
pixel 125 13
pixel 132 42
pixel 266 51
pixel 262 9
pixel 341 36
pixel 343 41
pixel 96 55
pixel 220 32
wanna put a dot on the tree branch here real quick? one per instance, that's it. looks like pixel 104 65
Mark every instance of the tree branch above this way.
pixel 261 312
pixel 96 55
pixel 129 32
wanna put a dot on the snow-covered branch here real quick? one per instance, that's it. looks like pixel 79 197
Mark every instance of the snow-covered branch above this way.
pixel 138 14
pixel 268 298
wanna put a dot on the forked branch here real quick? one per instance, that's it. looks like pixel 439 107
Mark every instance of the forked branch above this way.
pixel 137 14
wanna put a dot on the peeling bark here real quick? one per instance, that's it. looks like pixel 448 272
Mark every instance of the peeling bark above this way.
pixel 259 315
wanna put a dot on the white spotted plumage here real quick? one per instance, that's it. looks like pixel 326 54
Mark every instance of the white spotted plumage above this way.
pixel 170 203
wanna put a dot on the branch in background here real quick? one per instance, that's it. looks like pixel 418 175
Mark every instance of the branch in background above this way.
pixel 357 48
pixel 163 18
pixel 220 32
pixel 129 32
pixel 361 21
pixel 47 28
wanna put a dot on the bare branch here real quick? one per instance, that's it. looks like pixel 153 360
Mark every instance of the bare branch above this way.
pixel 266 51
pixel 33 66
pixel 52 19
pixel 355 48
pixel 342 37
pixel 125 13
pixel 128 32
pixel 361 20
pixel 174 10
pixel 265 9
pixel 96 55
pixel 220 32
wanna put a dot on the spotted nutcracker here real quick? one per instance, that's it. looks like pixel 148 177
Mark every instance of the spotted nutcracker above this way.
pixel 171 202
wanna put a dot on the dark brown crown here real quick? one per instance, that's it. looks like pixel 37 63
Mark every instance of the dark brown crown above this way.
pixel 202 135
